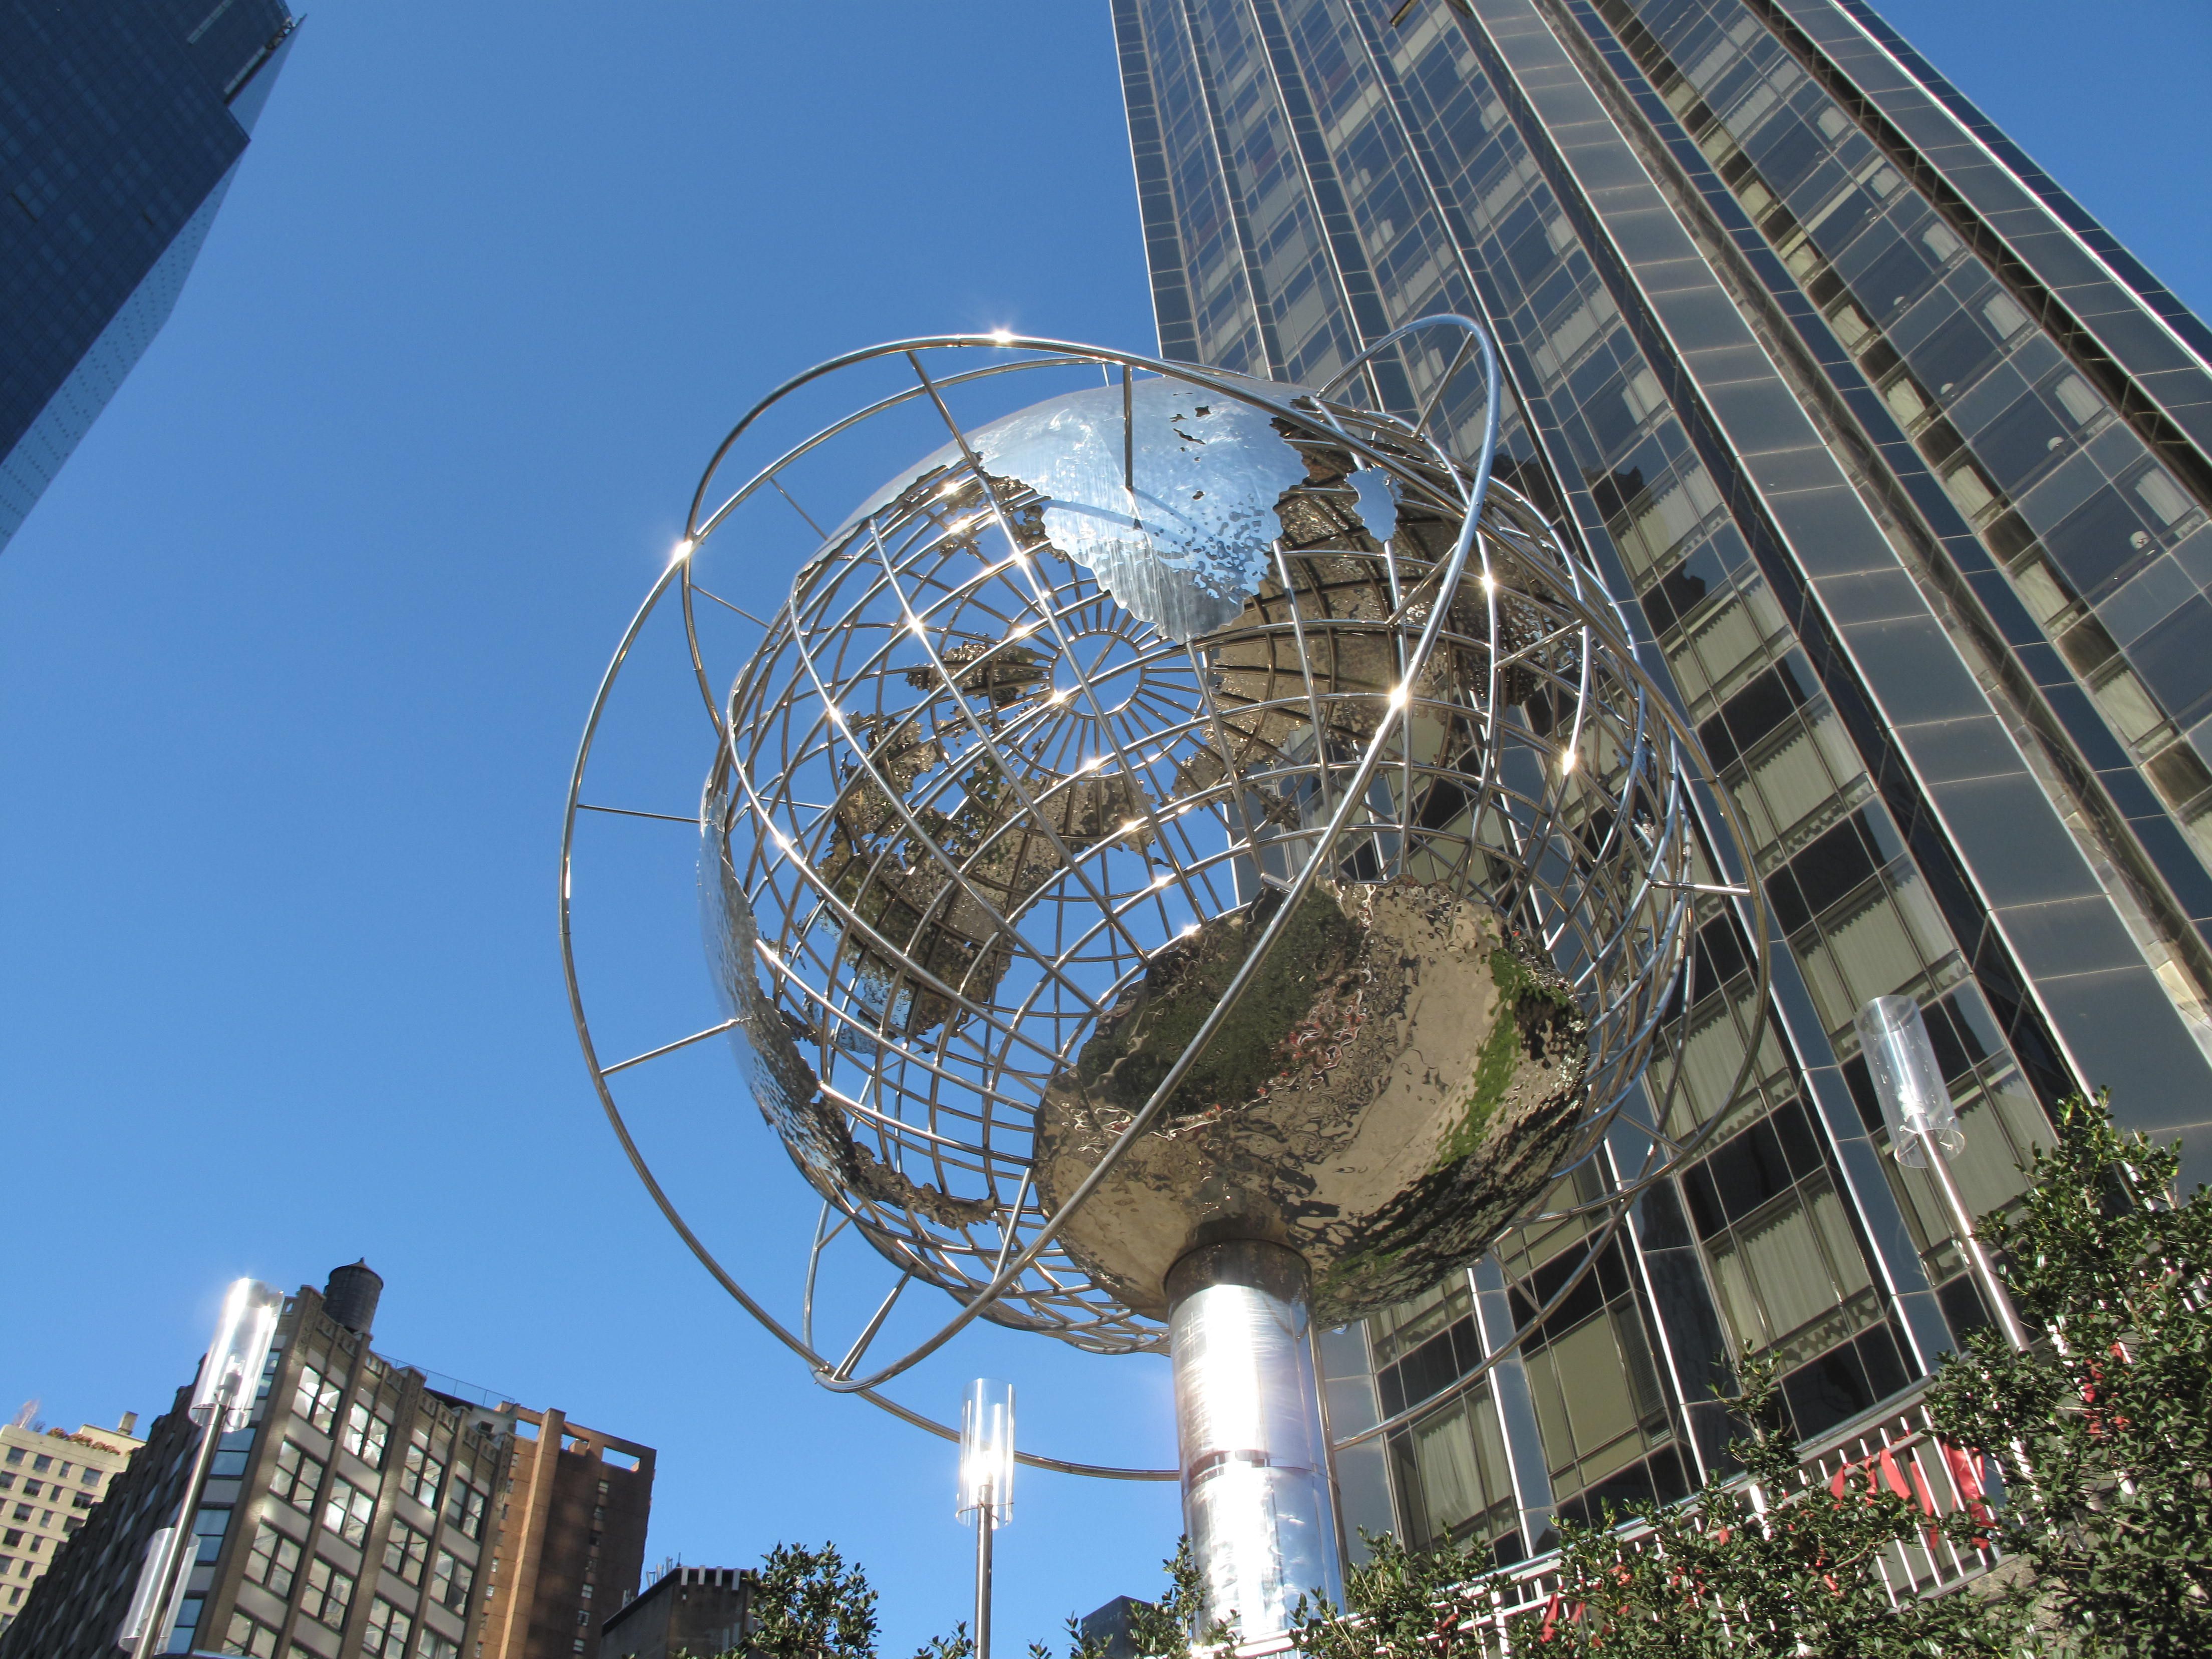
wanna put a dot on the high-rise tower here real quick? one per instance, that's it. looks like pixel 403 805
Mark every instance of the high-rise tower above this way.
pixel 568 1548
pixel 1900 465
pixel 121 127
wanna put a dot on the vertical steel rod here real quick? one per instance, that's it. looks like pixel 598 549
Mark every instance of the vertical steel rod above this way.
pixel 983 1576
pixel 154 1634
pixel 1977 1259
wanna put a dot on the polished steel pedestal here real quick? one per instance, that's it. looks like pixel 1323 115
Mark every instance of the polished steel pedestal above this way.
pixel 1254 1450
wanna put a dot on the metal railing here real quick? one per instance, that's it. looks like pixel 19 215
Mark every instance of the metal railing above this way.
pixel 1899 1451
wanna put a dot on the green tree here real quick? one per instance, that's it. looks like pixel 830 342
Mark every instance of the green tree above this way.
pixel 2104 1429
pixel 811 1604
pixel 1764 1566
pixel 1402 1602
pixel 1158 1630
pixel 2105 1426
pixel 958 1645
pixel 808 1604
pixel 1758 1566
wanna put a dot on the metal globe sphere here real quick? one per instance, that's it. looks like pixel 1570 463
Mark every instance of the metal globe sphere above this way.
pixel 1131 818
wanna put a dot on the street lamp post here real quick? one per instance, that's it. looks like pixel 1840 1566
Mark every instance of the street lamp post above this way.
pixel 1924 1132
pixel 222 1399
pixel 987 1483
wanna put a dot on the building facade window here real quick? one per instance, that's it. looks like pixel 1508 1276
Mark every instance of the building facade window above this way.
pixel 296 1478
pixel 449 1584
pixel 424 1471
pixel 2100 542
pixel 1453 1477
pixel 274 1560
pixel 406 1552
pixel 367 1432
pixel 328 1595
pixel 316 1398
pixel 209 1524
pixel 385 1631
pixel 230 1459
pixel 348 1511
pixel 465 1506
pixel 1607 1433
pixel 248 1635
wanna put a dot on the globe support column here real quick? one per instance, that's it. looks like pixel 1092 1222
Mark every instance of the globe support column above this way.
pixel 1253 1447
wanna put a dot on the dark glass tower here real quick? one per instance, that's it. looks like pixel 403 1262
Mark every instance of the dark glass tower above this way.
pixel 1901 465
pixel 121 125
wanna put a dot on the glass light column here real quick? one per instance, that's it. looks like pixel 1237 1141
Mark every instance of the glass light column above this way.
pixel 222 1399
pixel 1924 1132
pixel 987 1483
pixel 1254 1450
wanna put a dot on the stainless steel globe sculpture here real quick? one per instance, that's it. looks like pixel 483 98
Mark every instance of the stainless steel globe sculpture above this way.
pixel 1189 838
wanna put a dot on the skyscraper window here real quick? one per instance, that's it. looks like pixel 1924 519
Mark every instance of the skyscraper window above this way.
pixel 1901 468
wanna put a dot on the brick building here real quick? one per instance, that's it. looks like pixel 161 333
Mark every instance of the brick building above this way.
pixel 570 1545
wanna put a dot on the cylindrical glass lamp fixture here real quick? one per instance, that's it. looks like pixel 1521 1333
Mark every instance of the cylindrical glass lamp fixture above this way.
pixel 987 1451
pixel 1915 1100
pixel 242 1335
pixel 222 1399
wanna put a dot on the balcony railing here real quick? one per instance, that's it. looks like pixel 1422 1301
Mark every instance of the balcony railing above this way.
pixel 1897 1452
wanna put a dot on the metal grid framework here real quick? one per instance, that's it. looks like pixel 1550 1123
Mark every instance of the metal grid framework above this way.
pixel 959 797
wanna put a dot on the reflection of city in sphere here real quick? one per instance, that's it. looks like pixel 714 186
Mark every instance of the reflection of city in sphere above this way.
pixel 1071 716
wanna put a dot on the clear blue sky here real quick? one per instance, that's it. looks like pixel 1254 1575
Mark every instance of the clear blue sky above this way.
pixel 294 656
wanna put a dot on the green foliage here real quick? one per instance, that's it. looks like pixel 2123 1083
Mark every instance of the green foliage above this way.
pixel 2112 1415
pixel 1079 1646
pixel 1764 1568
pixel 808 1604
pixel 958 1645
pixel 1163 1629
pixel 1158 1630
pixel 1403 1602
pixel 2104 1430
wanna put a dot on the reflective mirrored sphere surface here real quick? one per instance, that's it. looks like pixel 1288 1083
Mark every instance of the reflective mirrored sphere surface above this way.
pixel 1040 744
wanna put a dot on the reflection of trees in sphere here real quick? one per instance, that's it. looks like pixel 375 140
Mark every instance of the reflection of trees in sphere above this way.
pixel 1030 757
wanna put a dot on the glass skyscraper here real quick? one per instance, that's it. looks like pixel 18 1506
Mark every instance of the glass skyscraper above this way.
pixel 121 126
pixel 1900 465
